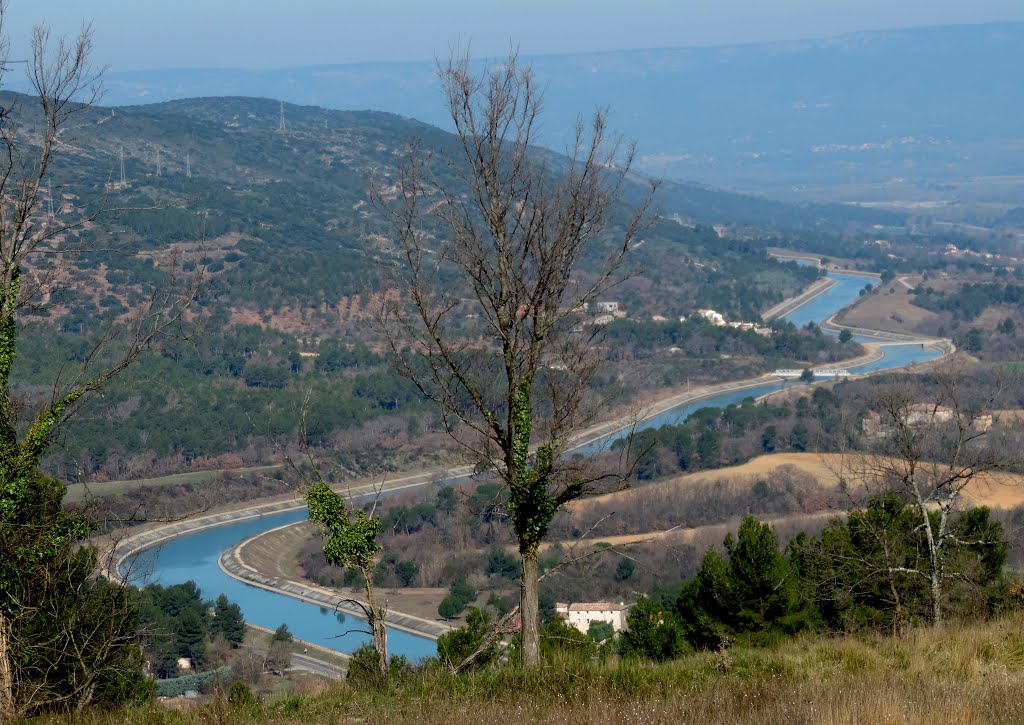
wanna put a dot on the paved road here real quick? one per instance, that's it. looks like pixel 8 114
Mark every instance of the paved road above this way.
pixel 309 663
pixel 306 661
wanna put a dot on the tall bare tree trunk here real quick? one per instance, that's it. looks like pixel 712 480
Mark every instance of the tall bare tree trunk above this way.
pixel 529 608
pixel 935 560
pixel 516 232
pixel 380 642
pixel 6 673
pixel 375 614
pixel 936 586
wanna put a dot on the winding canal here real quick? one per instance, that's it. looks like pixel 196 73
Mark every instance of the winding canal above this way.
pixel 195 556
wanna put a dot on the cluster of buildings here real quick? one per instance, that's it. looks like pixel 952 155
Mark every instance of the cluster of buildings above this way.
pixel 718 319
pixel 919 415
pixel 608 311
pixel 951 250
pixel 604 312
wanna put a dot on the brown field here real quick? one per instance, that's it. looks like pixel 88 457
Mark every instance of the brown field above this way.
pixel 697 534
pixel 1004 490
pixel 78 492
pixel 992 316
pixel 876 311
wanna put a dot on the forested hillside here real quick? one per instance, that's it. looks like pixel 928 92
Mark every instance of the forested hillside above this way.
pixel 272 205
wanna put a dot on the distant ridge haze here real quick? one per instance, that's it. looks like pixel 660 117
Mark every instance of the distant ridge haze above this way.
pixel 935 104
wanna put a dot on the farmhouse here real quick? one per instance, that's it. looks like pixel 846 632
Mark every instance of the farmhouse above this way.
pixel 581 616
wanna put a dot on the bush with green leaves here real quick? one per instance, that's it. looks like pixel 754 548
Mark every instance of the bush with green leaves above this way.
pixel 500 563
pixel 199 681
pixel 282 634
pixel 407 571
pixel 750 594
pixel 559 639
pixel 869 570
pixel 241 695
pixel 228 621
pixel 460 594
pixel 362 667
pixel 624 570
pixel 601 631
pixel 653 631
pixel 455 646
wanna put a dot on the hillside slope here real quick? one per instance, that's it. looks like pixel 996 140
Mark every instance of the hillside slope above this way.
pixel 297 259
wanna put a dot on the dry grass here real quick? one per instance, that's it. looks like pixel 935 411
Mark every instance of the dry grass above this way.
pixel 78 492
pixel 1002 490
pixel 876 311
pixel 696 535
pixel 968 674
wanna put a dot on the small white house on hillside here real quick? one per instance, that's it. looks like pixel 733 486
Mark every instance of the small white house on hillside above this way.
pixel 715 318
pixel 582 615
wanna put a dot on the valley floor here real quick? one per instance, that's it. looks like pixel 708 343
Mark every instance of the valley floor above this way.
pixel 270 559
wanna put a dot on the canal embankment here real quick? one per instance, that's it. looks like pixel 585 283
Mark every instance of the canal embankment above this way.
pixel 237 563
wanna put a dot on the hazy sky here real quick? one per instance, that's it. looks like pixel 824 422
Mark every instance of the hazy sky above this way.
pixel 141 34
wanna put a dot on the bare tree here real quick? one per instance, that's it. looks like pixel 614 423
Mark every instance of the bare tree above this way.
pixel 530 238
pixel 932 444
pixel 38 539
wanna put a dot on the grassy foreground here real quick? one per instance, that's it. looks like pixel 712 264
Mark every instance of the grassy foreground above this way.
pixel 963 674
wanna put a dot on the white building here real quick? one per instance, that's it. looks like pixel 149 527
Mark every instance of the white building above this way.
pixel 715 318
pixel 582 615
pixel 607 307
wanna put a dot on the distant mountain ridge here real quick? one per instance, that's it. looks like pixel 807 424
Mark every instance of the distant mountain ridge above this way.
pixel 283 219
pixel 928 102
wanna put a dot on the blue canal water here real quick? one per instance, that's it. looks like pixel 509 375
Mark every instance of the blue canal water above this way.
pixel 195 556
pixel 836 297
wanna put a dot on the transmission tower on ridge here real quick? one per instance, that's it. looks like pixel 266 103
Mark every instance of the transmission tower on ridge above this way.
pixel 282 127
pixel 159 164
pixel 188 166
pixel 122 181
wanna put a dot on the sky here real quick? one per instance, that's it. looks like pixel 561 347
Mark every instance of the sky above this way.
pixel 147 34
